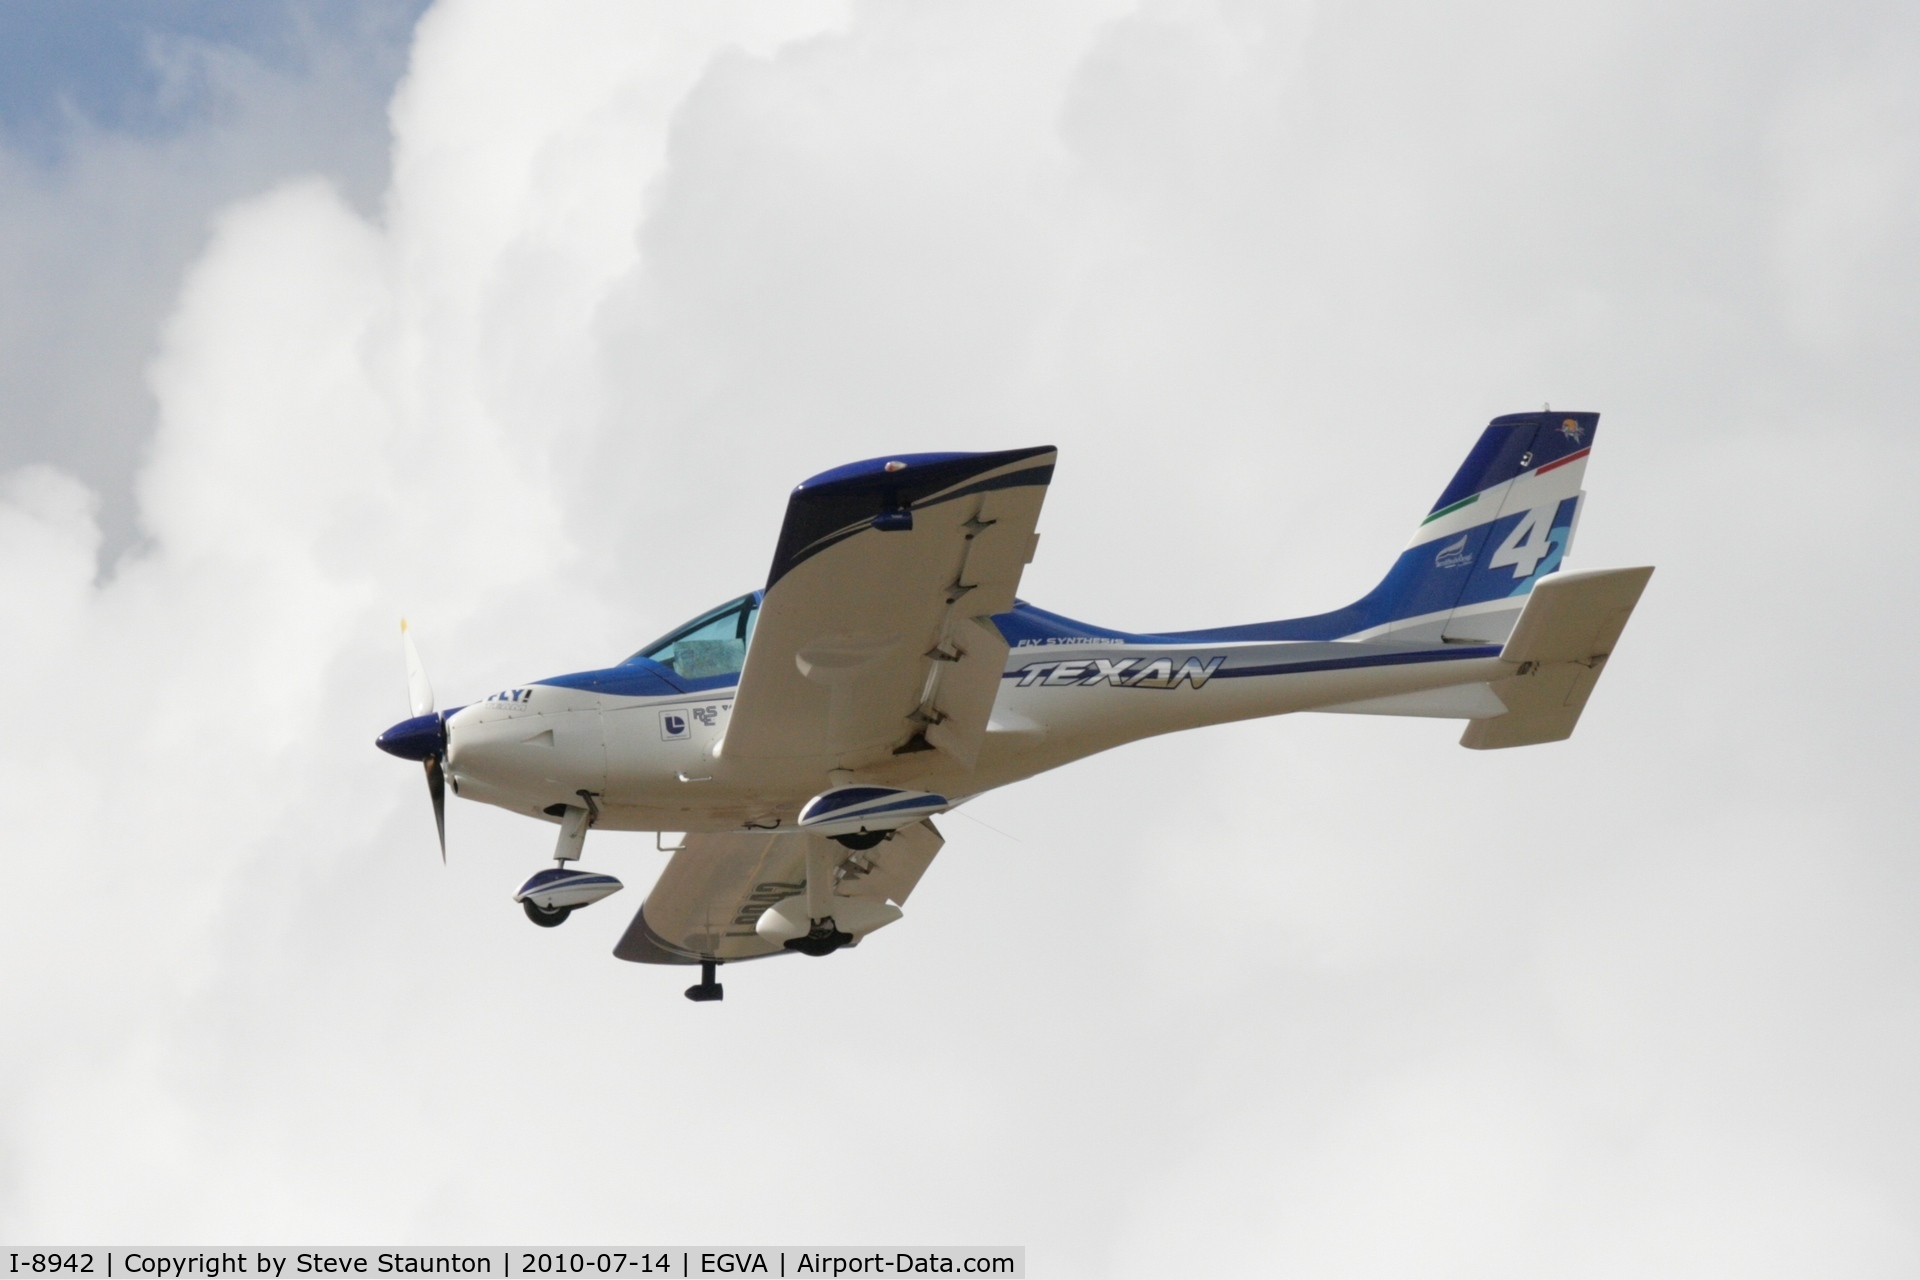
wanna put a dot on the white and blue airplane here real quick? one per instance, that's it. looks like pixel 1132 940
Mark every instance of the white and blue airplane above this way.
pixel 804 736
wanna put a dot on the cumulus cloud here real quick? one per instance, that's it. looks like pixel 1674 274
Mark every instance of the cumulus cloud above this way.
pixel 1328 995
pixel 122 134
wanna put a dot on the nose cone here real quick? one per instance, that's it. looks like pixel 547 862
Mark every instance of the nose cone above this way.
pixel 415 739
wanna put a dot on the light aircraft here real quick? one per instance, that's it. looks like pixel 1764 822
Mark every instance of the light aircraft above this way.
pixel 803 736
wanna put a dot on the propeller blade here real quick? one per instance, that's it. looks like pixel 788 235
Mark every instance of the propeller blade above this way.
pixel 409 738
pixel 419 692
pixel 437 788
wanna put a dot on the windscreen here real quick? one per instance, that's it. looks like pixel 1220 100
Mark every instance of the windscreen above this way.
pixel 713 644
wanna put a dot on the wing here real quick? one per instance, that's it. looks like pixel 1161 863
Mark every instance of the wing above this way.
pixel 875 635
pixel 711 894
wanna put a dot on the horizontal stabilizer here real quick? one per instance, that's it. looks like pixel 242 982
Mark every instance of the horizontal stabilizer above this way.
pixel 1570 625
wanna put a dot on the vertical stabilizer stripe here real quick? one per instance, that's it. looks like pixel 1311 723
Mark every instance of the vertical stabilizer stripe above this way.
pixel 1572 457
pixel 1447 511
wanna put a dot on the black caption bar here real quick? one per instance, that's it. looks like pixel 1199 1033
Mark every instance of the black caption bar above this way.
pixel 176 1262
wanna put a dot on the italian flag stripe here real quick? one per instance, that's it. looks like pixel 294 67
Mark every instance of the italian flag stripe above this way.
pixel 1447 511
pixel 1467 502
pixel 1572 457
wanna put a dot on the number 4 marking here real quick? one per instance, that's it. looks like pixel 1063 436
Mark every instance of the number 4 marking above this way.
pixel 1527 544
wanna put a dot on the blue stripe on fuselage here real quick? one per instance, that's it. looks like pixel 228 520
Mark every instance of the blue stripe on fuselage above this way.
pixel 1357 660
pixel 641 678
pixel 1448 654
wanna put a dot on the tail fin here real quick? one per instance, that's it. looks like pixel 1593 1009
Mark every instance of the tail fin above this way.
pixel 1503 524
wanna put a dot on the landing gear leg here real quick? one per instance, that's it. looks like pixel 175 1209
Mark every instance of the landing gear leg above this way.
pixel 707 988
pixel 825 937
pixel 574 822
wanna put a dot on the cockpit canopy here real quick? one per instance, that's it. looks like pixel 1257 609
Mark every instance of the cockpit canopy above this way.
pixel 713 644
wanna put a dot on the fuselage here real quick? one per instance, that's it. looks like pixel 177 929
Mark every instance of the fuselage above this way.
pixel 648 743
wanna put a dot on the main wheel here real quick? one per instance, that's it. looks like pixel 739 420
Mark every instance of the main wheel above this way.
pixel 823 941
pixel 862 839
pixel 544 918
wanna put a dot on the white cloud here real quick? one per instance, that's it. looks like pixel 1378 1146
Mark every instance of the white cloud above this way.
pixel 1327 997
pixel 98 224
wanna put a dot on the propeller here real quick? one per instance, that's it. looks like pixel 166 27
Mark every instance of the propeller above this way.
pixel 423 737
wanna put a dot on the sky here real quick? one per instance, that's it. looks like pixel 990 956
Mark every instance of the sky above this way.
pixel 125 126
pixel 522 320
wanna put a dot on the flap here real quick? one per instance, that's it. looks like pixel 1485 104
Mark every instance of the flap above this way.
pixel 875 634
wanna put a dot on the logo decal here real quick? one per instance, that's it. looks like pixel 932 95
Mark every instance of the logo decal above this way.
pixel 1571 430
pixel 1454 555
pixel 1123 673
pixel 673 725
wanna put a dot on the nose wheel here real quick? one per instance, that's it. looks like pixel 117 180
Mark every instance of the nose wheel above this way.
pixel 549 897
